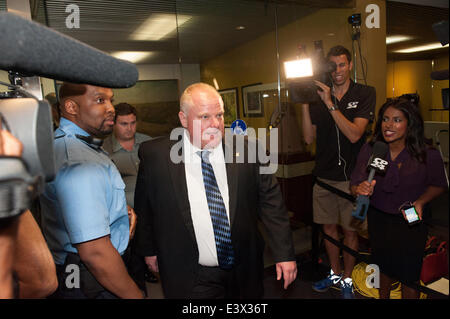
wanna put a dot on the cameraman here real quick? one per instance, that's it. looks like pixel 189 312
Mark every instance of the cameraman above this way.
pixel 23 250
pixel 84 212
pixel 337 122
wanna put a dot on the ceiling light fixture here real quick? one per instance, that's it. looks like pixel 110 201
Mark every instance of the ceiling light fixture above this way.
pixel 240 27
pixel 431 46
pixel 216 85
pixel 397 38
pixel 131 56
pixel 158 26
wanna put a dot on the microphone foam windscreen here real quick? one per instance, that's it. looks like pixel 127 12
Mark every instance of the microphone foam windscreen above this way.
pixel 34 49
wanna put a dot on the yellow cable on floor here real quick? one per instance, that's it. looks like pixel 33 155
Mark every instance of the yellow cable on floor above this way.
pixel 359 276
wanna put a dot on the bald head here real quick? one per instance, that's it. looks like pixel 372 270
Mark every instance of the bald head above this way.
pixel 201 113
pixel 196 90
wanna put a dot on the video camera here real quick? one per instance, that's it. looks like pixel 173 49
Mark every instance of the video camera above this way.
pixel 30 121
pixel 301 73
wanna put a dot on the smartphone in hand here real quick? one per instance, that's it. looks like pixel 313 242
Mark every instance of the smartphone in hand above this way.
pixel 411 215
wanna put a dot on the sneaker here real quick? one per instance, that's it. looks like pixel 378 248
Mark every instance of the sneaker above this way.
pixel 325 284
pixel 347 288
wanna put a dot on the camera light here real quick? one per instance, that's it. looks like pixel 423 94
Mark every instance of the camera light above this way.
pixel 298 68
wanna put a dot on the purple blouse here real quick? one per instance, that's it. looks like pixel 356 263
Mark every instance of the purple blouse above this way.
pixel 400 185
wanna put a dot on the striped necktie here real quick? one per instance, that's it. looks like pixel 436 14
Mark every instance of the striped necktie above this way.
pixel 221 226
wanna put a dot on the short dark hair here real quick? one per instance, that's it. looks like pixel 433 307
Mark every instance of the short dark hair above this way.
pixel 70 89
pixel 124 109
pixel 339 50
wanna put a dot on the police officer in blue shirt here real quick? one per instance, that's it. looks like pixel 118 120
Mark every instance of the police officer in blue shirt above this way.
pixel 84 213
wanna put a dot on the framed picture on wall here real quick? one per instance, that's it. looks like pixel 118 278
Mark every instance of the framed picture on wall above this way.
pixel 252 100
pixel 230 104
pixel 156 102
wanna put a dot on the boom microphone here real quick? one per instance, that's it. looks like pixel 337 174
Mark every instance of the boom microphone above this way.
pixel 31 48
pixel 377 164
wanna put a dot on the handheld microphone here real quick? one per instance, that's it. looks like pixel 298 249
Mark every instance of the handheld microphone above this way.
pixel 377 164
pixel 31 48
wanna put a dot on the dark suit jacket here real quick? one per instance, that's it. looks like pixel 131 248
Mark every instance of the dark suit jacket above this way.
pixel 165 225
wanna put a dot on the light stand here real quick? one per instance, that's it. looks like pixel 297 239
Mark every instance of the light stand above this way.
pixel 355 21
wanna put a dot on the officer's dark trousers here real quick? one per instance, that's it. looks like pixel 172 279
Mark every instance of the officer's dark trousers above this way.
pixel 76 282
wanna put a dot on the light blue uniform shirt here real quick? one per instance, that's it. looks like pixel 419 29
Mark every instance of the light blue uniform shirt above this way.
pixel 86 200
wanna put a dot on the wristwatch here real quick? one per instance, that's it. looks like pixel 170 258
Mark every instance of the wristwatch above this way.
pixel 332 108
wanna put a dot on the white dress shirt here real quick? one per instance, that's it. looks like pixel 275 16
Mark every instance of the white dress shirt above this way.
pixel 201 217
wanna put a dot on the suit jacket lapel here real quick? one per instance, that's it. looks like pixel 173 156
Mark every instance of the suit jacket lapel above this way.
pixel 178 176
pixel 232 179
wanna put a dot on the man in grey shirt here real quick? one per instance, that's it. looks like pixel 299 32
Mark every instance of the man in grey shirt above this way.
pixel 123 146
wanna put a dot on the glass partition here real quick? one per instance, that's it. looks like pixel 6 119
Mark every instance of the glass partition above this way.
pixel 156 103
pixel 238 46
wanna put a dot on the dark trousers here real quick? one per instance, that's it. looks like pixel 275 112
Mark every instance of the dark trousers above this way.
pixel 215 283
pixel 89 287
pixel 135 265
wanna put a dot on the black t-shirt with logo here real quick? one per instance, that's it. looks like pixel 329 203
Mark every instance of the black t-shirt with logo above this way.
pixel 359 101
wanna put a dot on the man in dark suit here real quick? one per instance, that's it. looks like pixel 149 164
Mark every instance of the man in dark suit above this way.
pixel 198 216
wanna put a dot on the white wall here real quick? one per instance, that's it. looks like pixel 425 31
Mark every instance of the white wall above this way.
pixel 185 73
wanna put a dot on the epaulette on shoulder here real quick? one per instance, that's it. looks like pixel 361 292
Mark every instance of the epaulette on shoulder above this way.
pixel 59 135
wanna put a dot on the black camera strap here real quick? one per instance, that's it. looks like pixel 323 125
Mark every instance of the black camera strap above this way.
pixel 93 142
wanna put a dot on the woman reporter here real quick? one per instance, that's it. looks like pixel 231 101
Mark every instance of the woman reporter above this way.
pixel 415 175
